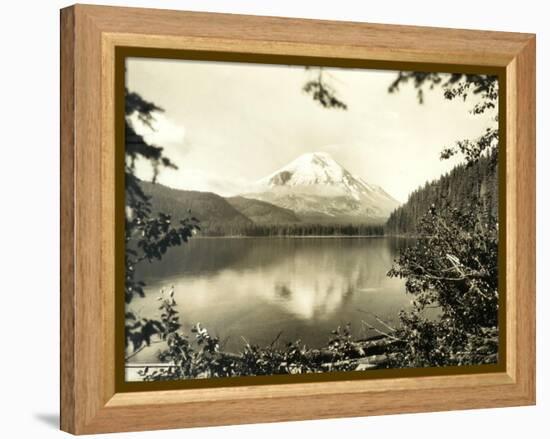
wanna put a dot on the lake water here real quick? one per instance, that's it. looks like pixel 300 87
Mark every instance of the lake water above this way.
pixel 256 287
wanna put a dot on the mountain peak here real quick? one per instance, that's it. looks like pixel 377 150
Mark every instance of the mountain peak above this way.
pixel 315 158
pixel 315 183
pixel 313 168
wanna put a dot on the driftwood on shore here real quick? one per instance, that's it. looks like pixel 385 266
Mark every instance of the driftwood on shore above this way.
pixel 359 355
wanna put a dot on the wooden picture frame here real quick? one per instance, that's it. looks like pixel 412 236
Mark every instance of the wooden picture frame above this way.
pixel 90 36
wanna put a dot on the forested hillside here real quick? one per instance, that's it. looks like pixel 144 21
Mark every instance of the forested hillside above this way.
pixel 310 229
pixel 212 210
pixel 263 213
pixel 466 187
pixel 238 216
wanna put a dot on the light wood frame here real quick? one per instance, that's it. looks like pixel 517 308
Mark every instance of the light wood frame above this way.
pixel 89 36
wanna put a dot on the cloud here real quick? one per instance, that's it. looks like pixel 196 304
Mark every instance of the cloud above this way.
pixel 165 132
pixel 231 121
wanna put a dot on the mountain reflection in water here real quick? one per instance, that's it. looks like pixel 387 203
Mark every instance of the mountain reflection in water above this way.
pixel 256 287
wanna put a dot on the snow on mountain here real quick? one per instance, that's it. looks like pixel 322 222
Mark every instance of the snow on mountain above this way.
pixel 314 185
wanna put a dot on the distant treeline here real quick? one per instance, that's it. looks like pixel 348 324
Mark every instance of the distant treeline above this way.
pixel 467 187
pixel 295 230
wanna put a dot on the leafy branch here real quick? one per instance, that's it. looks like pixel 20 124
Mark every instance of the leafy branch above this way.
pixel 460 86
pixel 323 93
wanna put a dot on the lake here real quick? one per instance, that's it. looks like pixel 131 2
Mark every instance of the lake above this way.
pixel 253 288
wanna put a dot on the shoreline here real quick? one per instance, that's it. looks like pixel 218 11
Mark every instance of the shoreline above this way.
pixel 300 236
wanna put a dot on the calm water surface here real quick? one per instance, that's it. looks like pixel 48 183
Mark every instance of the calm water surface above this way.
pixel 256 287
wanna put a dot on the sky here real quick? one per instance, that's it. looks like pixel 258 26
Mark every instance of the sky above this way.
pixel 226 125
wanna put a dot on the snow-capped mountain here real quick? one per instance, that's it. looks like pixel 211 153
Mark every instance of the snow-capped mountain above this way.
pixel 316 187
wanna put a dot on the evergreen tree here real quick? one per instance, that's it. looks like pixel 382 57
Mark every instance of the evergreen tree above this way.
pixel 453 266
pixel 467 186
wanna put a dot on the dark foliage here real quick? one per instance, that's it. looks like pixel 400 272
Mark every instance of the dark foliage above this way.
pixel 147 236
pixel 200 355
pixel 453 267
pixel 323 93
pixel 454 85
pixel 460 86
pixel 139 331
pixel 135 145
pixel 300 229
pixel 467 187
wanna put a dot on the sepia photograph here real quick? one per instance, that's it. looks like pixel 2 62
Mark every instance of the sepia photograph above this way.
pixel 290 219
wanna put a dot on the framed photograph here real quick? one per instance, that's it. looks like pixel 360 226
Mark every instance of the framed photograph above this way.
pixel 269 219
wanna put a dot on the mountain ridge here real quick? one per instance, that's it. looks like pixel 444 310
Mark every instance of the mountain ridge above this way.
pixel 315 185
pixel 261 212
pixel 210 208
pixel 313 189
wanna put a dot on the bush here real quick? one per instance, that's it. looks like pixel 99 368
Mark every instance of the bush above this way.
pixel 452 269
